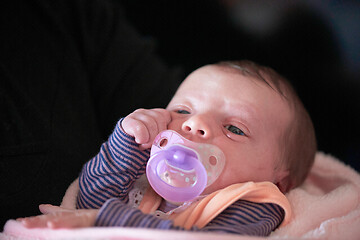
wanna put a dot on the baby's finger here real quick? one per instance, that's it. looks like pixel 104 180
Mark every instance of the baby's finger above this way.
pixel 157 120
pixel 145 125
pixel 65 222
pixel 48 208
pixel 149 119
pixel 74 220
pixel 141 124
pixel 163 118
pixel 34 222
pixel 136 129
pixel 145 146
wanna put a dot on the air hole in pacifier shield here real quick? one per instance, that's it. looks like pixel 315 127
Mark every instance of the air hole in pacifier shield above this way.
pixel 212 160
pixel 163 142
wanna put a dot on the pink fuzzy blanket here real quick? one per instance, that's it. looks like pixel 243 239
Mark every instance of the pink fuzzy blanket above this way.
pixel 326 206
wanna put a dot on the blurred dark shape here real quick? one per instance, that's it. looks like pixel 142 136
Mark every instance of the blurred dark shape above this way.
pixel 69 69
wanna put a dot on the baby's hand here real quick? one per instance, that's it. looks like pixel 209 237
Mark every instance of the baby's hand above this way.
pixel 145 124
pixel 58 217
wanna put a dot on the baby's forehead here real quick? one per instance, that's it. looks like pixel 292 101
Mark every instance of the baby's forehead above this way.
pixel 212 76
pixel 209 75
pixel 264 77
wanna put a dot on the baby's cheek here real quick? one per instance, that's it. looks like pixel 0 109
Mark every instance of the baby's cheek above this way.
pixel 217 185
pixel 175 124
pixel 233 175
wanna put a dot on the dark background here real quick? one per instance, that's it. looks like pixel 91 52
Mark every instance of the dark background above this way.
pixel 315 45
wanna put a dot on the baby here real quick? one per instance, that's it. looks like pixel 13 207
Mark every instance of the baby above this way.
pixel 249 112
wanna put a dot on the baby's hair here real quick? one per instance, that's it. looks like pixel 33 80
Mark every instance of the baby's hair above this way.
pixel 298 142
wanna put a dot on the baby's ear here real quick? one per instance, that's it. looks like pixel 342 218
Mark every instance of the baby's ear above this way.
pixel 283 181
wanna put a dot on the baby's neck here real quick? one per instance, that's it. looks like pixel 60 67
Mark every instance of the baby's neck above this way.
pixel 174 203
pixel 167 206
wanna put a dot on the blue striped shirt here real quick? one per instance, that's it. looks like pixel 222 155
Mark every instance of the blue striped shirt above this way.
pixel 106 180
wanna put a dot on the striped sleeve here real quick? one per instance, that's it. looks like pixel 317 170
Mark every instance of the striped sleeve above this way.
pixel 250 218
pixel 243 217
pixel 112 172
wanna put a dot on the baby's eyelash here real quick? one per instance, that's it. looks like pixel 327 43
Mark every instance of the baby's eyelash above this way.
pixel 235 130
pixel 182 111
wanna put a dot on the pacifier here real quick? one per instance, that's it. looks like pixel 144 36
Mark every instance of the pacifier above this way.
pixel 179 170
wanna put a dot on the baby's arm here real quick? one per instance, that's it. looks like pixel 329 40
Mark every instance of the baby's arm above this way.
pixel 242 217
pixel 122 159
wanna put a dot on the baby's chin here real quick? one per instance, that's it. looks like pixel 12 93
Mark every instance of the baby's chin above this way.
pixel 217 185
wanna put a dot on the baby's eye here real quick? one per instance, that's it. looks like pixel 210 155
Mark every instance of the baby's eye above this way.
pixel 182 111
pixel 235 130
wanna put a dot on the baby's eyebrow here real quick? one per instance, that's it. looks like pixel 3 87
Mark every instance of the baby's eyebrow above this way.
pixel 247 114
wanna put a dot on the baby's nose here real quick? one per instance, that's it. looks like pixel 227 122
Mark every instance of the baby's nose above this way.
pixel 197 125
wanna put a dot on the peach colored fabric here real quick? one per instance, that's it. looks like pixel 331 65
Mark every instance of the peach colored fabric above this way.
pixel 201 212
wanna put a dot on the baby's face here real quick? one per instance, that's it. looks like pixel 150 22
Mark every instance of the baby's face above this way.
pixel 241 115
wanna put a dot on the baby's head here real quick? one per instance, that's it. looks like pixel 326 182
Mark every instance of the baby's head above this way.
pixel 254 116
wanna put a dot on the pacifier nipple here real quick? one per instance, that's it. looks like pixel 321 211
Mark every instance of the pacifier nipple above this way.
pixel 176 174
pixel 179 156
pixel 179 170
